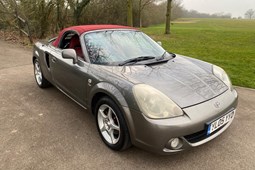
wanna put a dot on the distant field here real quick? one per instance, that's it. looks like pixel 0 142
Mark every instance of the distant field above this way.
pixel 227 43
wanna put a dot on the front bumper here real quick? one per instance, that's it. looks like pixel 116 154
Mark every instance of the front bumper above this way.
pixel 154 134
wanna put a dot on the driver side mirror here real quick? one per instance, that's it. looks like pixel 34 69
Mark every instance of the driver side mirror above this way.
pixel 70 54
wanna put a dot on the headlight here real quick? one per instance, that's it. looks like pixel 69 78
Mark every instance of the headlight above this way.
pixel 221 74
pixel 155 104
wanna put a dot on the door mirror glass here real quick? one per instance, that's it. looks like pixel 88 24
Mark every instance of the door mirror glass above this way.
pixel 70 54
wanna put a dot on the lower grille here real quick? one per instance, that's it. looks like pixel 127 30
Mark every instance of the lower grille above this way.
pixel 201 135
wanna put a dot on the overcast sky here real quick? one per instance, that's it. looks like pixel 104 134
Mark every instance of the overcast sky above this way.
pixel 235 7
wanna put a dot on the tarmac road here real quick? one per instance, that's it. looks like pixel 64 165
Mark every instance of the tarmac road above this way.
pixel 44 129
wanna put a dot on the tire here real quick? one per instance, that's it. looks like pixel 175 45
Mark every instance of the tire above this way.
pixel 41 81
pixel 111 125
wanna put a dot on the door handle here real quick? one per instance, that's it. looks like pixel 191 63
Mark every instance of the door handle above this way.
pixel 53 59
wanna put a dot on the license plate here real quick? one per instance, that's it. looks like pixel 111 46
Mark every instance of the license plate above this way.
pixel 220 122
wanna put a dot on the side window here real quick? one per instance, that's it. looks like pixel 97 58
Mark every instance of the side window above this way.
pixel 65 42
pixel 72 41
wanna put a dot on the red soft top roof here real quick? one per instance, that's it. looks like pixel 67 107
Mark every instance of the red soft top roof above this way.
pixel 85 28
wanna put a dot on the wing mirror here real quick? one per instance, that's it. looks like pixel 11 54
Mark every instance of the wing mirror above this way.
pixel 159 43
pixel 70 54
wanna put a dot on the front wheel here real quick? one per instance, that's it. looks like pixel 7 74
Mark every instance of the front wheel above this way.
pixel 41 81
pixel 111 125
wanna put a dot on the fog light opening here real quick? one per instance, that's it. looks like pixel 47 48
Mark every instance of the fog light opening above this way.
pixel 176 143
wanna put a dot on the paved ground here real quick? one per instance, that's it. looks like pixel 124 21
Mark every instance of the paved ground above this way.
pixel 43 129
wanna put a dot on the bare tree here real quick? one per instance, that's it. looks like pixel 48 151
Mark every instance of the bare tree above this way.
pixel 168 17
pixel 43 18
pixel 11 8
pixel 59 4
pixel 142 5
pixel 77 7
pixel 130 13
pixel 106 12
pixel 250 13
pixel 177 9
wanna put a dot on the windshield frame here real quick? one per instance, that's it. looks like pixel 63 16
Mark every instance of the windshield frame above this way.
pixel 83 43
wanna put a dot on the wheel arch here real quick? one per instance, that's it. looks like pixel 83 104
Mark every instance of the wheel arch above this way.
pixel 36 54
pixel 107 89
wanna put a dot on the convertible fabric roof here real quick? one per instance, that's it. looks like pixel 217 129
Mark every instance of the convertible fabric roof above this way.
pixel 85 28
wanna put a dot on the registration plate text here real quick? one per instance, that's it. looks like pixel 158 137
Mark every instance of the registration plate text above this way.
pixel 220 122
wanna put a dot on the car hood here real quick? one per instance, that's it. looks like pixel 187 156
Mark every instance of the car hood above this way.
pixel 186 82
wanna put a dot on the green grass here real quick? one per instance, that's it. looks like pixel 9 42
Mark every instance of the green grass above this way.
pixel 227 43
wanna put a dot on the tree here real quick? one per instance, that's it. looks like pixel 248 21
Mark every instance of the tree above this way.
pixel 130 13
pixel 142 5
pixel 168 16
pixel 177 9
pixel 20 22
pixel 250 13
pixel 106 12
pixel 45 10
pixel 77 7
pixel 60 4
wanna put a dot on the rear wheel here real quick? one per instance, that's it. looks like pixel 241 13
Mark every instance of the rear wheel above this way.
pixel 111 125
pixel 41 81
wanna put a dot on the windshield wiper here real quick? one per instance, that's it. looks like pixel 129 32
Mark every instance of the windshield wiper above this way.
pixel 135 60
pixel 162 56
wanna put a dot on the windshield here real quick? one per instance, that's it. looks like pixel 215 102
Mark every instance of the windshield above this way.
pixel 116 46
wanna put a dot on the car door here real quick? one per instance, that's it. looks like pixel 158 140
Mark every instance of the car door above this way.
pixel 71 78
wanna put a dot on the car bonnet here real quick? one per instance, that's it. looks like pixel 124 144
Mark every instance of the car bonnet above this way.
pixel 180 79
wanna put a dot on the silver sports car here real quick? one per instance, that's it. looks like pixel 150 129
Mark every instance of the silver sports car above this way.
pixel 139 93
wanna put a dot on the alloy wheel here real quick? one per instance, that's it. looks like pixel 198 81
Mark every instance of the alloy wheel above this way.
pixel 38 73
pixel 108 123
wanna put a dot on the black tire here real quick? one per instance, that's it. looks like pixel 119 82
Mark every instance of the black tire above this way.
pixel 124 138
pixel 43 82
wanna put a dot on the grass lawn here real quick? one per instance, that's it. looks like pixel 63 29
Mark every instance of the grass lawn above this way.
pixel 227 43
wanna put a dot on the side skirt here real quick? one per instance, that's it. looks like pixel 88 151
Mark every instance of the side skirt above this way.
pixel 71 98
